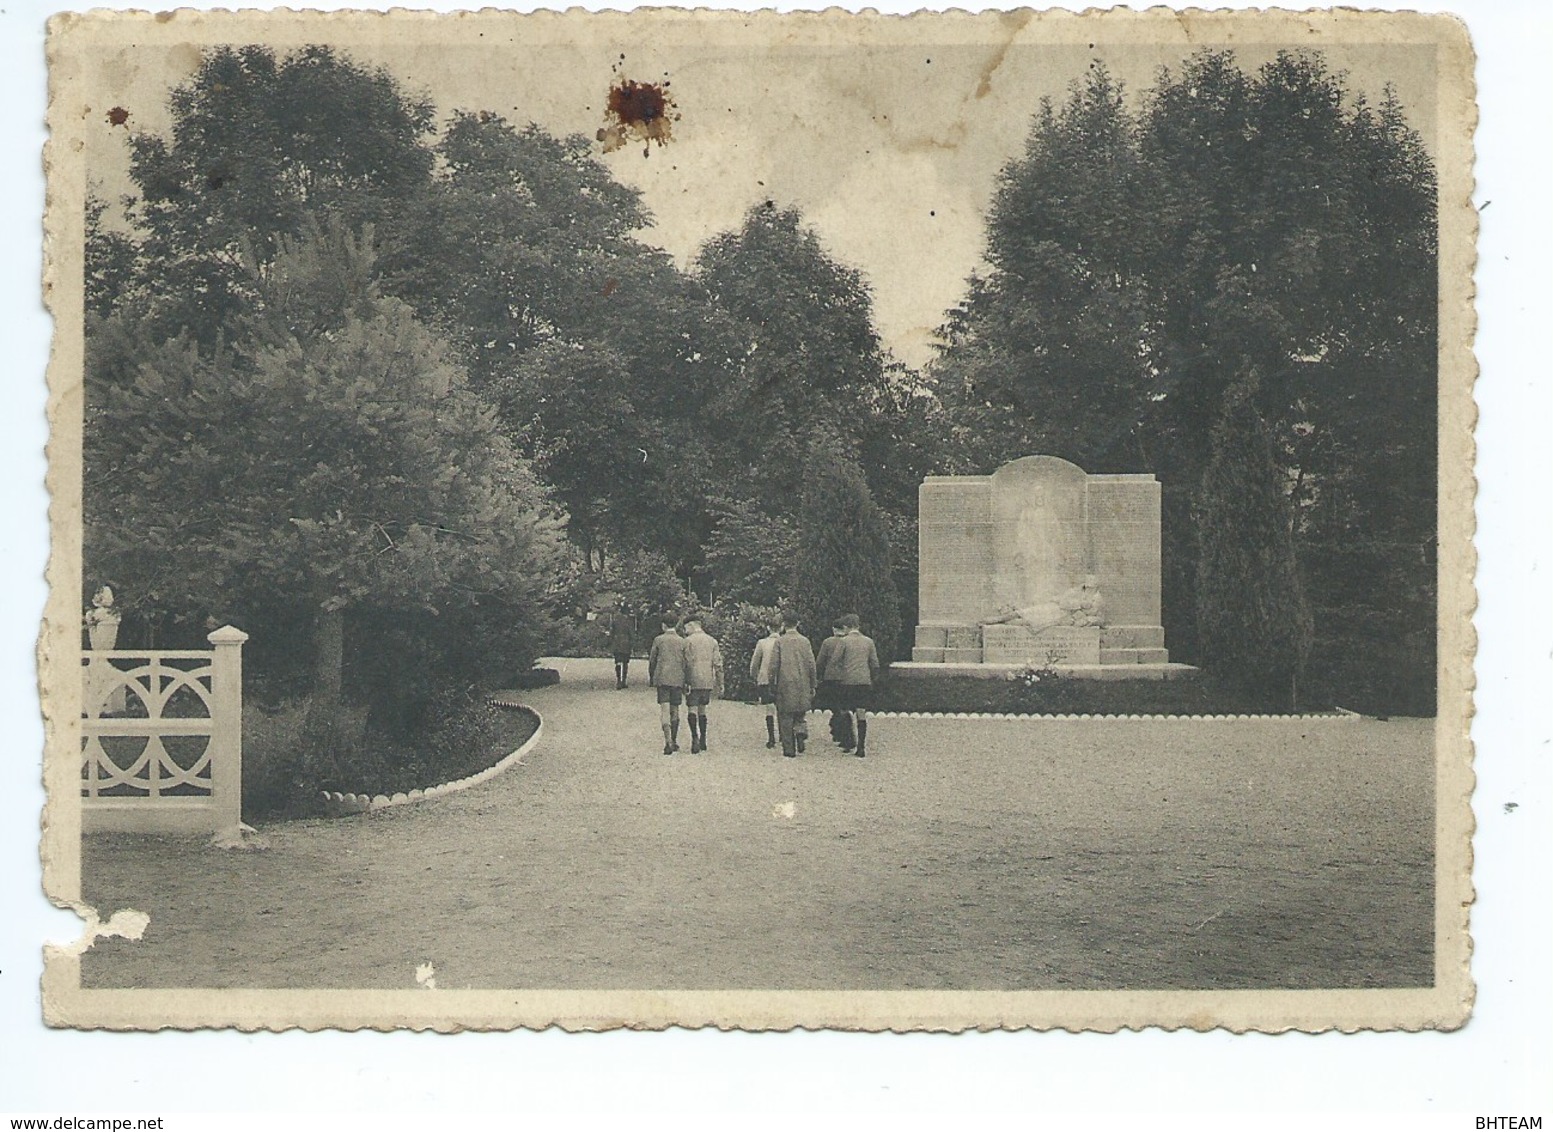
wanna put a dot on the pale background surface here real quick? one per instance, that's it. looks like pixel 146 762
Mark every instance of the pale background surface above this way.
pixel 1498 1064
pixel 788 124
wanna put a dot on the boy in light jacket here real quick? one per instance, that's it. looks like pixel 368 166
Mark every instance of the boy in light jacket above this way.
pixel 703 678
pixel 852 668
pixel 666 673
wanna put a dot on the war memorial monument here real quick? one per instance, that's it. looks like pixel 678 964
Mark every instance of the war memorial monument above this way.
pixel 1040 565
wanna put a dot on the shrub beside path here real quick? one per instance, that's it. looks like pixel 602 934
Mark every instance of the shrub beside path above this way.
pixel 960 854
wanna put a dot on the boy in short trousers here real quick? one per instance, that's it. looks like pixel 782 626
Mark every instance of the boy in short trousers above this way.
pixel 703 679
pixel 760 673
pixel 666 673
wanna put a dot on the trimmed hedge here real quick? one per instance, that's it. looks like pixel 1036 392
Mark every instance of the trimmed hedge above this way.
pixel 286 765
pixel 538 678
pixel 737 627
pixel 1045 693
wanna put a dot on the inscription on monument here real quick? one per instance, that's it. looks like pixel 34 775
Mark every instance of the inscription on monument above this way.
pixel 1014 644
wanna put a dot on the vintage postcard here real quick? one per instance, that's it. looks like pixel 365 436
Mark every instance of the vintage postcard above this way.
pixel 685 518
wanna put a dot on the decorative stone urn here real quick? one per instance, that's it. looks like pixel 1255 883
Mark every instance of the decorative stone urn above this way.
pixel 105 693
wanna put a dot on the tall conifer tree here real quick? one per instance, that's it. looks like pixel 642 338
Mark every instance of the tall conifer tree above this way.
pixel 1253 623
pixel 844 551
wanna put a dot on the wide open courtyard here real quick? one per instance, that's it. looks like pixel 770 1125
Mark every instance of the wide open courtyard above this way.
pixel 961 854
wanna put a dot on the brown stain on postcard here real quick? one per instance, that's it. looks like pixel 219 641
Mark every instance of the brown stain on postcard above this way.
pixel 637 111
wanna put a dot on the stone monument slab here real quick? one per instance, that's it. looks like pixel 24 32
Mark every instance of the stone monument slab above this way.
pixel 1039 563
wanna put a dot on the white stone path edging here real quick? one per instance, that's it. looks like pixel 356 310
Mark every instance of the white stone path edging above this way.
pixel 1339 715
pixel 344 805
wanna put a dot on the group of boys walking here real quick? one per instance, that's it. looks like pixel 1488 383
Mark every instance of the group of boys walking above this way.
pixel 686 662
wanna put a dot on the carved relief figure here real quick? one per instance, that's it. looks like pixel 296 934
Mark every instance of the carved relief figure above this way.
pixel 1027 558
pixel 1082 605
pixel 1035 558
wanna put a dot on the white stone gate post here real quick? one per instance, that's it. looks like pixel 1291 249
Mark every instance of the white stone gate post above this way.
pixel 226 725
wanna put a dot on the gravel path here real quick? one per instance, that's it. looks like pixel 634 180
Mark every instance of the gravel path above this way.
pixel 959 854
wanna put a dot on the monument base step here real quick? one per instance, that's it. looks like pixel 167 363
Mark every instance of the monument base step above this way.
pixel 1132 637
pixel 918 669
pixel 1134 656
pixel 948 656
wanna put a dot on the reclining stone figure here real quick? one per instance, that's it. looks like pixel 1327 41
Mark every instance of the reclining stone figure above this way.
pixel 1080 606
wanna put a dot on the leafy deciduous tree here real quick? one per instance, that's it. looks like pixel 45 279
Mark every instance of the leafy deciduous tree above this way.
pixel 807 350
pixel 329 465
pixel 750 553
pixel 258 144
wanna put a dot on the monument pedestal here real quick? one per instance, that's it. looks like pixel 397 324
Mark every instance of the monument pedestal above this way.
pixel 1115 652
pixel 1019 644
pixel 917 670
pixel 948 644
pixel 1133 644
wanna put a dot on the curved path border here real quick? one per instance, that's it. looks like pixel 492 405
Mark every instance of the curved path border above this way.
pixel 338 804
pixel 1341 715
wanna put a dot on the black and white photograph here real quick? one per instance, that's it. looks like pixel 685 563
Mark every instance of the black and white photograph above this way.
pixel 748 520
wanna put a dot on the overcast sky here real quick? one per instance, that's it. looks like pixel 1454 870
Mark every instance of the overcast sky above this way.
pixel 890 146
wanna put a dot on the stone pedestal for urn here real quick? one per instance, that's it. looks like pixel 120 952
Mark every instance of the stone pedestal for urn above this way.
pixel 105 687
pixel 1040 565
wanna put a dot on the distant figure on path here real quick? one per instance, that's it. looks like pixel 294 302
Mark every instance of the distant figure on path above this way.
pixel 703 678
pixel 853 667
pixel 666 672
pixel 792 676
pixel 622 636
pixel 760 674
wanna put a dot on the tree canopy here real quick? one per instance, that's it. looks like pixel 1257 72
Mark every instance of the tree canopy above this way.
pixel 451 342
pixel 1141 254
pixel 324 456
pixel 808 354
pixel 259 144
